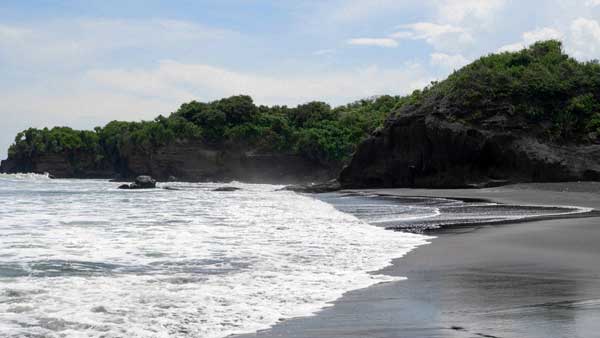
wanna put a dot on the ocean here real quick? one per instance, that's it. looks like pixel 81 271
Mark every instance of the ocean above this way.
pixel 80 258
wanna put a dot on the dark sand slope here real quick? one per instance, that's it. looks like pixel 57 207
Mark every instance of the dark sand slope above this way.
pixel 536 279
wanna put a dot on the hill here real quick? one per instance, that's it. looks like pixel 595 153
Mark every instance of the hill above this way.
pixel 526 116
pixel 227 139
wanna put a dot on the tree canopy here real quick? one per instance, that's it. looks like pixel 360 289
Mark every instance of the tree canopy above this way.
pixel 541 85
pixel 313 130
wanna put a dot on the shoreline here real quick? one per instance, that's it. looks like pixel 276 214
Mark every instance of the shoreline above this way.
pixel 535 277
pixel 578 212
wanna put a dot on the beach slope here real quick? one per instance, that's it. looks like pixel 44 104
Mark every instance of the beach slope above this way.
pixel 533 279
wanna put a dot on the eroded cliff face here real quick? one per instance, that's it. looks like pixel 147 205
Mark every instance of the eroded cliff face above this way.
pixel 424 147
pixel 181 160
pixel 195 161
pixel 62 165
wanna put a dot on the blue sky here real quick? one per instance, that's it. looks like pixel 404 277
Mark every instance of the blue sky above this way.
pixel 84 63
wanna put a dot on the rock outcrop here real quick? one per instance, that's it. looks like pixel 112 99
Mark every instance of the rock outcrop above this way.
pixel 424 146
pixel 60 165
pixel 141 182
pixel 196 161
pixel 181 160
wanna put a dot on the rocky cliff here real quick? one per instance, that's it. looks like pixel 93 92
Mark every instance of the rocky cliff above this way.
pixel 182 160
pixel 532 115
pixel 196 161
pixel 527 116
pixel 65 164
pixel 427 146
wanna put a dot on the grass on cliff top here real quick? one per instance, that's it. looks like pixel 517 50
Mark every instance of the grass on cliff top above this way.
pixel 540 87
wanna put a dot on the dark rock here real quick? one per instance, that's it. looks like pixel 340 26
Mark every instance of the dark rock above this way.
pixel 60 165
pixel 141 182
pixel 419 146
pixel 227 189
pixel 7 166
pixel 317 188
pixel 145 182
pixel 180 160
pixel 99 309
pixel 200 162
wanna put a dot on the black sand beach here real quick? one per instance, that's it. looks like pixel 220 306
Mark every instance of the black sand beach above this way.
pixel 533 279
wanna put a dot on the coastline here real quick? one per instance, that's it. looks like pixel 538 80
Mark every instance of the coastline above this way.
pixel 528 279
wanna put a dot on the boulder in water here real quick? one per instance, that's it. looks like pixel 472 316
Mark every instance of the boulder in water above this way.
pixel 141 182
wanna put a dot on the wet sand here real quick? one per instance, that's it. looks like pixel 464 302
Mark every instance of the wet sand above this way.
pixel 534 279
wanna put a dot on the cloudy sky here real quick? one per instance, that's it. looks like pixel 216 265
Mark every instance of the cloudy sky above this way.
pixel 84 63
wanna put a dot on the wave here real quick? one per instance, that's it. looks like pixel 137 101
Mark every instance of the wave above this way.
pixel 422 214
pixel 90 260
pixel 25 176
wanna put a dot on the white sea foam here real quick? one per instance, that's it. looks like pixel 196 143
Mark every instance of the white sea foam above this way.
pixel 83 259
pixel 25 176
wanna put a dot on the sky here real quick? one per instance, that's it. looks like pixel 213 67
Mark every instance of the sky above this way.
pixel 85 63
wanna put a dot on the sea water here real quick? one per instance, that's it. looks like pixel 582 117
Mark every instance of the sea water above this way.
pixel 80 258
pixel 424 214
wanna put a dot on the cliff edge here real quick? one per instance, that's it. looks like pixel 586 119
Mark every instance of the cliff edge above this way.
pixel 529 116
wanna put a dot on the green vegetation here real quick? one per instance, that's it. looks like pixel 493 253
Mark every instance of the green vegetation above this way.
pixel 55 140
pixel 313 130
pixel 540 88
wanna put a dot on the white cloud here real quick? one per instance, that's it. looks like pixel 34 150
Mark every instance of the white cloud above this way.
pixel 181 82
pixel 453 26
pixel 581 39
pixel 9 33
pixel 378 42
pixel 584 39
pixel 448 62
pixel 447 11
pixel 541 34
pixel 438 35
pixel 531 37
pixel 79 107
pixel 513 47
pixel 356 10
pixel 458 11
pixel 592 3
pixel 53 42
